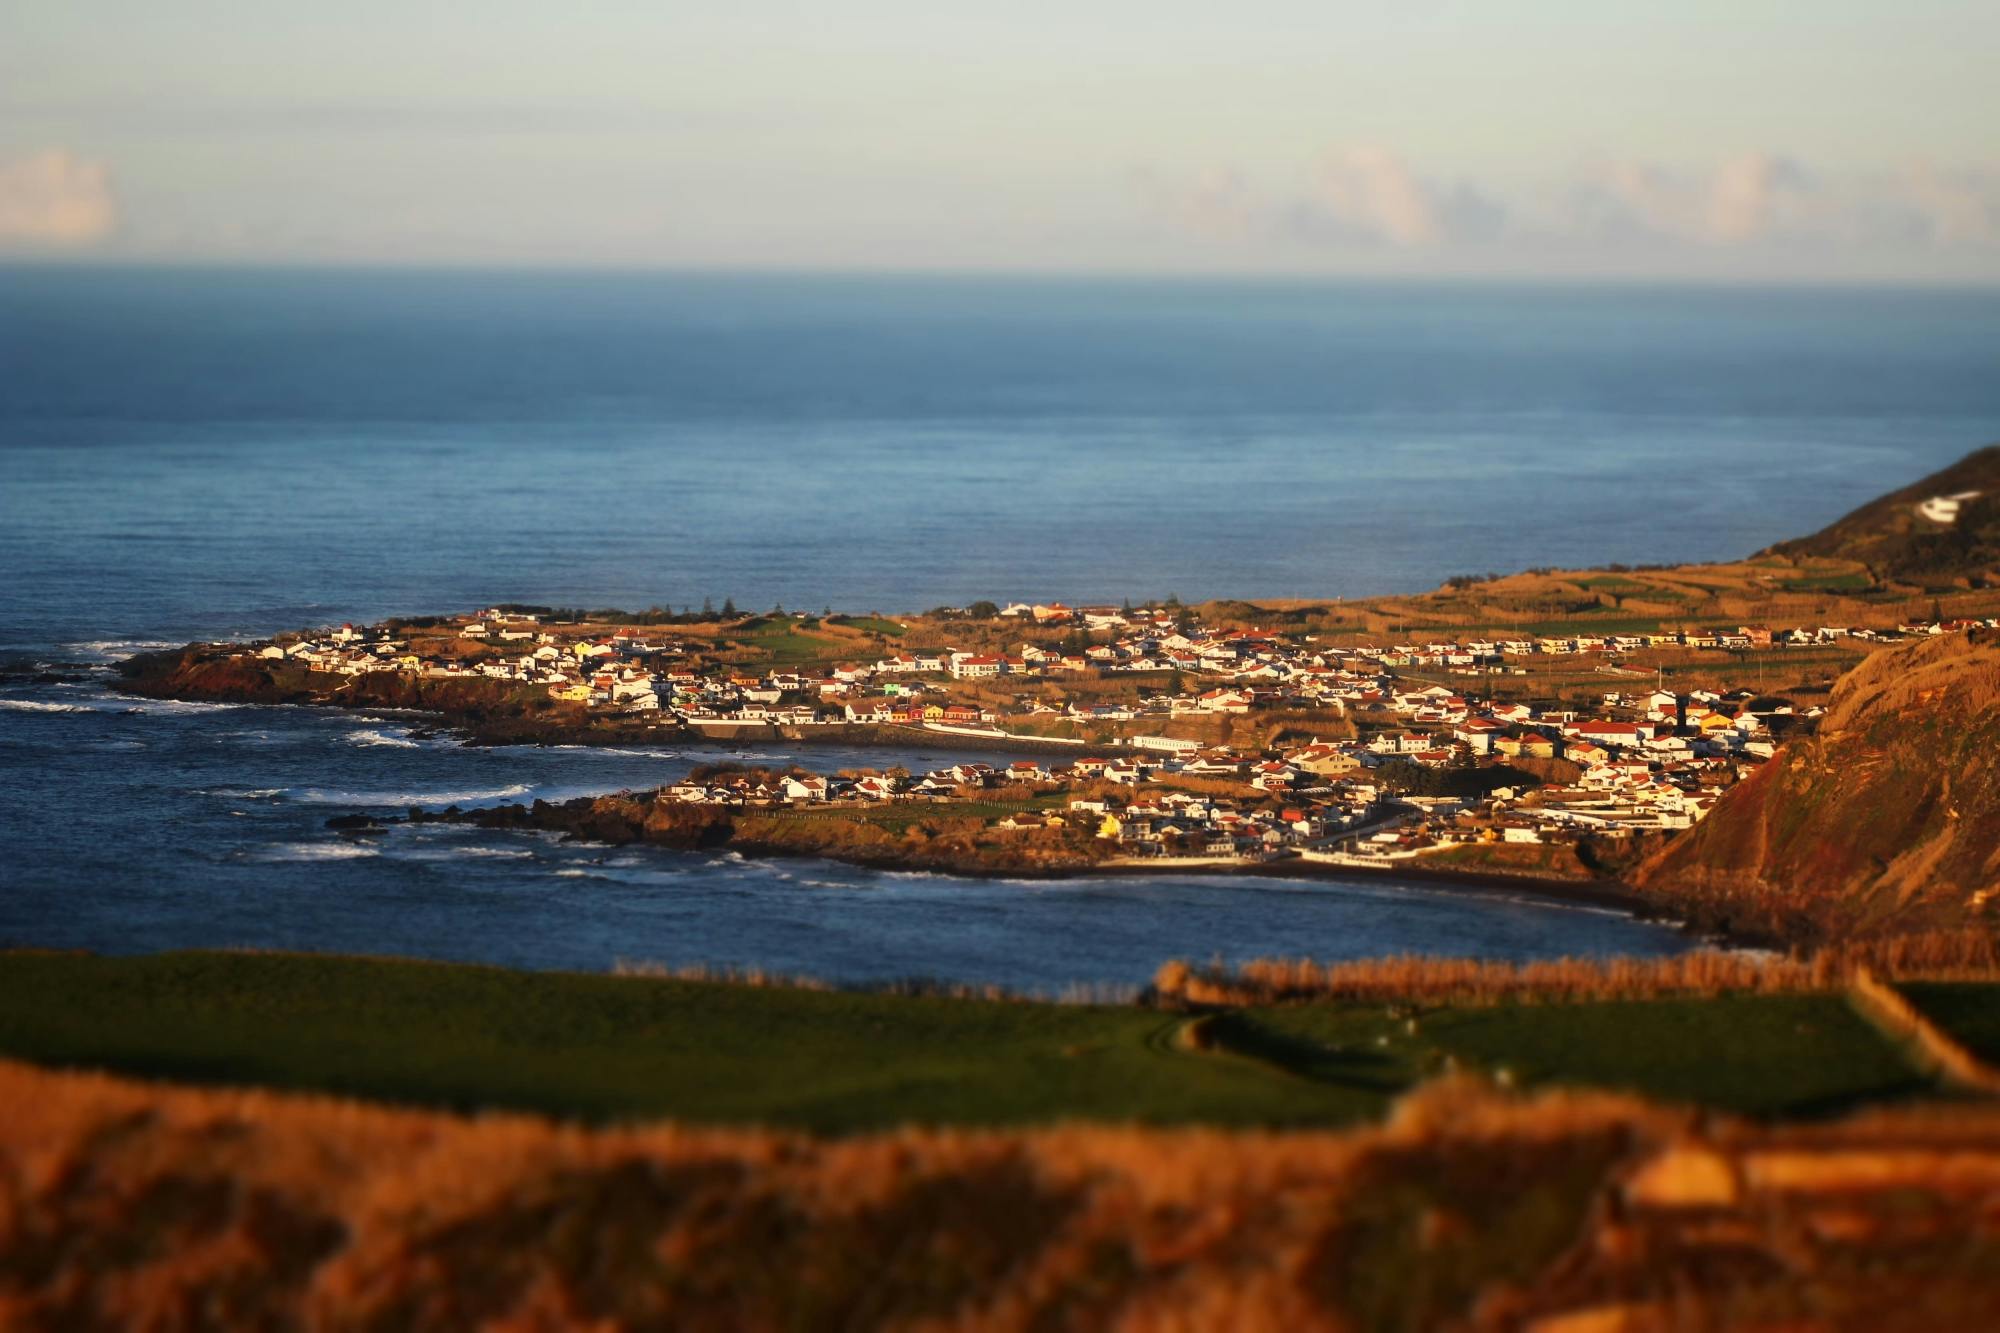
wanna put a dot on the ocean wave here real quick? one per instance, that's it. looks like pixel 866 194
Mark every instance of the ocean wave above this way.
pixel 292 852
pixel 329 796
pixel 623 753
pixel 38 706
pixel 116 650
pixel 171 707
pixel 449 853
pixel 253 737
pixel 381 738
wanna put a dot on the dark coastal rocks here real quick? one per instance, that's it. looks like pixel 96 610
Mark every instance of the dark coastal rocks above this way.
pixel 355 824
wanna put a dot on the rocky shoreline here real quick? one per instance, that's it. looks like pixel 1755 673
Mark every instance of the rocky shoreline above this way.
pixel 622 820
pixel 482 713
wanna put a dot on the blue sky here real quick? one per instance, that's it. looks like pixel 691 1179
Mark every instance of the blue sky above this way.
pixel 1708 140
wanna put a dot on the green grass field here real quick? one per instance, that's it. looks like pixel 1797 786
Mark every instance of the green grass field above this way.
pixel 1847 581
pixel 608 1047
pixel 872 625
pixel 1968 1011
pixel 1764 1055
pixel 604 1047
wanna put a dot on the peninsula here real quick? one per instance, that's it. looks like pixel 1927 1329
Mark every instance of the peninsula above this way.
pixel 1557 728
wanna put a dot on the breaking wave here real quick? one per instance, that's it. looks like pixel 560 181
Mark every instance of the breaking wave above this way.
pixel 317 851
pixel 381 738
pixel 327 796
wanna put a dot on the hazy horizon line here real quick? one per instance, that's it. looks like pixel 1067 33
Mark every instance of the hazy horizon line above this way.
pixel 948 273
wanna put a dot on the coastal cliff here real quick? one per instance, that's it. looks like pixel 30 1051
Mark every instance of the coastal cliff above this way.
pixel 1885 821
pixel 487 712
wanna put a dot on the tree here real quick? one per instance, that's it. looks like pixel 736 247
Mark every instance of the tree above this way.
pixel 708 608
pixel 982 610
pixel 729 608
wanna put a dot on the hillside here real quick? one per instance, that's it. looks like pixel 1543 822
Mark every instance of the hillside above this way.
pixel 1884 821
pixel 1938 531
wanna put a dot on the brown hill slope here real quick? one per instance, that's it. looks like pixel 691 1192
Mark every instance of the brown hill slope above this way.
pixel 140 1206
pixel 1886 820
pixel 1898 537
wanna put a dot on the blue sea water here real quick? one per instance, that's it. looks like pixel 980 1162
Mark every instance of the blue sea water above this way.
pixel 197 454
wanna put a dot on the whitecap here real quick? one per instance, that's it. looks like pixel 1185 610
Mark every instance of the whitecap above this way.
pixel 381 738
pixel 324 796
pixel 38 706
pixel 168 707
pixel 317 851
pixel 113 650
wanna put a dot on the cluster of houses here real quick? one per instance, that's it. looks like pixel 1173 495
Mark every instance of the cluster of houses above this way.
pixel 628 672
pixel 1155 820
pixel 1645 761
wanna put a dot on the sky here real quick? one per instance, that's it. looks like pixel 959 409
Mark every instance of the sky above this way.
pixel 1733 140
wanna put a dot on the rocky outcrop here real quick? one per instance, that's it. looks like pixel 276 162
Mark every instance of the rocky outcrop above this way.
pixel 936 839
pixel 485 712
pixel 1885 821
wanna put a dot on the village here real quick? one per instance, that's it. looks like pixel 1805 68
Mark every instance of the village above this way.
pixel 1391 769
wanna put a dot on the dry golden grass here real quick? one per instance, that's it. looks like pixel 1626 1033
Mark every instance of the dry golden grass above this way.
pixel 124 1205
pixel 1941 956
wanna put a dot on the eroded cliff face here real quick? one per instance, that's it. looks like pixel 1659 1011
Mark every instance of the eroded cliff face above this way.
pixel 1884 821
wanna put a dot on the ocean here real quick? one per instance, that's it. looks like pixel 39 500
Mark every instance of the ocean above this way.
pixel 199 454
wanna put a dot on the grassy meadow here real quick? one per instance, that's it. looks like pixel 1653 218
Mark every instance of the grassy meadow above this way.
pixel 600 1047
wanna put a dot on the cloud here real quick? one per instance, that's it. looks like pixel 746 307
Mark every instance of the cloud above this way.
pixel 1217 204
pixel 1369 192
pixel 1754 194
pixel 55 198
pixel 1760 208
pixel 1954 208
pixel 1747 198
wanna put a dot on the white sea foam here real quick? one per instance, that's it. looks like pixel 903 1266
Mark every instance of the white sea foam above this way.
pixel 171 707
pixel 327 796
pixel 381 738
pixel 38 706
pixel 113 650
pixel 317 851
